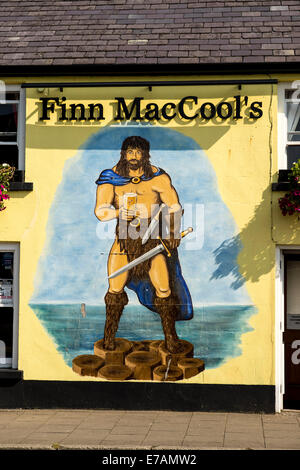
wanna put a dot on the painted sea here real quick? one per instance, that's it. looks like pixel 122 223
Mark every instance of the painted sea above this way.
pixel 215 331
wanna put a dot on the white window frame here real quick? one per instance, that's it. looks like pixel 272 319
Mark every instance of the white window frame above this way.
pixel 283 125
pixel 279 323
pixel 279 328
pixel 21 123
pixel 15 248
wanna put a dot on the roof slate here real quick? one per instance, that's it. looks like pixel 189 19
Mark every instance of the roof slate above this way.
pixel 42 32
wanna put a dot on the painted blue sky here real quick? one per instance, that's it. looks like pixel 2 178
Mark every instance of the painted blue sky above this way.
pixel 72 266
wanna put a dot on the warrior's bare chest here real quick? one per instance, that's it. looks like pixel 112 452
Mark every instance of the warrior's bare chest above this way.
pixel 143 190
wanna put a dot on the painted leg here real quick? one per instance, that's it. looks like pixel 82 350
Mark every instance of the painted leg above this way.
pixel 115 304
pixel 164 302
pixel 167 312
pixel 115 299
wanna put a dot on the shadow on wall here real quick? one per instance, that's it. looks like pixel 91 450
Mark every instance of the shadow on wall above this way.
pixel 259 257
pixel 286 228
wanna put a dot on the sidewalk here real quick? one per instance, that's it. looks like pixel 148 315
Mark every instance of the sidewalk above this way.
pixel 110 429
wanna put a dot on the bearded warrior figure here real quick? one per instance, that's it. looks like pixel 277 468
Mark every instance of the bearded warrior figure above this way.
pixel 134 192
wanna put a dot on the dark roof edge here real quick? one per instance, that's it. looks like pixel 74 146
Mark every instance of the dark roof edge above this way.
pixel 255 68
pixel 149 83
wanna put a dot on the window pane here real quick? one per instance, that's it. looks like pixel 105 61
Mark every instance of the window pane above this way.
pixel 293 295
pixel 293 154
pixel 8 136
pixel 6 264
pixel 12 95
pixel 6 309
pixel 8 118
pixel 293 120
pixel 9 154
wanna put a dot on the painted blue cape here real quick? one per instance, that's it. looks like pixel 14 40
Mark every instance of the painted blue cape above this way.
pixel 143 288
pixel 110 177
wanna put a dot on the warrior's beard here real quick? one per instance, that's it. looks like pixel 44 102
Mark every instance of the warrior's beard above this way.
pixel 134 164
pixel 124 166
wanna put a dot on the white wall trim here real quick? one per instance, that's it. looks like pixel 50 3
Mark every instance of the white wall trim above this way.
pixel 279 324
pixel 21 129
pixel 282 125
pixel 279 327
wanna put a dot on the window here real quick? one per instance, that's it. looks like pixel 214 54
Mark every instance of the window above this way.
pixel 9 269
pixel 11 127
pixel 292 100
pixel 288 123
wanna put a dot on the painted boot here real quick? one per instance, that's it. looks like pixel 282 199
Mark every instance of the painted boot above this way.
pixel 167 311
pixel 115 304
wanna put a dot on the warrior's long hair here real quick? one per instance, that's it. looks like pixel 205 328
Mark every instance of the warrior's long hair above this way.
pixel 134 141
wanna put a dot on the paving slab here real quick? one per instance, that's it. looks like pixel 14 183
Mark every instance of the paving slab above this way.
pixel 51 428
pixel 97 425
pixel 206 436
pixel 98 417
pixel 288 443
pixel 63 421
pixel 209 415
pixel 13 437
pixel 205 431
pixel 176 417
pixel 167 426
pixel 244 429
pixel 157 438
pixel 27 429
pixel 82 438
pixel 243 416
pixel 172 422
pixel 123 439
pixel 29 417
pixel 135 422
pixel 243 441
pixel 44 438
pixel 130 430
pixel 281 418
pixel 106 412
pixel 282 427
pixel 203 441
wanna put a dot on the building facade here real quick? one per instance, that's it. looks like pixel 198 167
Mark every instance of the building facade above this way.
pixel 221 131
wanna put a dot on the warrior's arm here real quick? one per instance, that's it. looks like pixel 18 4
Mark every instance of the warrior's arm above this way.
pixel 167 193
pixel 169 196
pixel 104 199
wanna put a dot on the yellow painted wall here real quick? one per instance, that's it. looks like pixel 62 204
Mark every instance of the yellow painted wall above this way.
pixel 244 157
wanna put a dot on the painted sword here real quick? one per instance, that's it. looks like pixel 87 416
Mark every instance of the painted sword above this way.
pixel 158 249
pixel 153 224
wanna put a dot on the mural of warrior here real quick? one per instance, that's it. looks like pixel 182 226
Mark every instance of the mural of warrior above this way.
pixel 144 254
